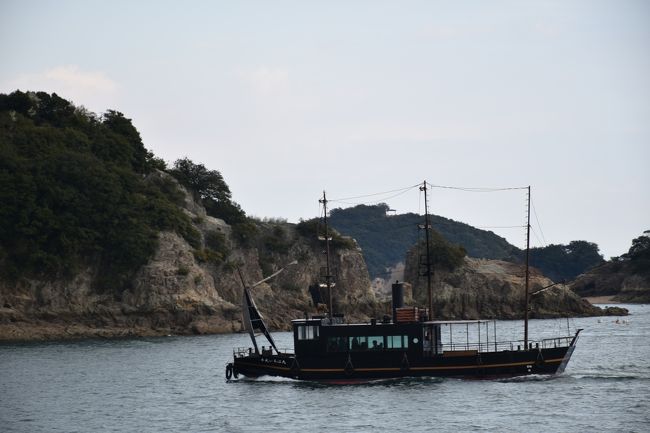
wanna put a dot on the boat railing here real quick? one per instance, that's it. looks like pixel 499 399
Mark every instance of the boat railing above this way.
pixel 499 346
pixel 241 352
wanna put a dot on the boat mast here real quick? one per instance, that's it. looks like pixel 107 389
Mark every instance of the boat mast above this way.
pixel 427 226
pixel 527 272
pixel 328 276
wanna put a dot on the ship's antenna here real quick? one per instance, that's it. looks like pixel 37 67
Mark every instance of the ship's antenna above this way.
pixel 427 227
pixel 328 275
pixel 527 273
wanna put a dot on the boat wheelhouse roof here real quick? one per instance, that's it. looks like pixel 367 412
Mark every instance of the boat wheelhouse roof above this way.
pixel 458 322
pixel 325 321
pixel 306 321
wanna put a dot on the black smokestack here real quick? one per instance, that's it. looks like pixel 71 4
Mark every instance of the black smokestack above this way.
pixel 398 297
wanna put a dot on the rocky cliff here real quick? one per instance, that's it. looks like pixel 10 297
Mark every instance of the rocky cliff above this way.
pixel 481 288
pixel 618 280
pixel 623 279
pixel 183 290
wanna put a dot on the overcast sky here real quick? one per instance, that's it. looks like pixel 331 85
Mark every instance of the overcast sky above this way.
pixel 287 99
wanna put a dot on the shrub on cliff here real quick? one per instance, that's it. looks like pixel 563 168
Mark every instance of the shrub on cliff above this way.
pixel 313 229
pixel 208 187
pixel 443 254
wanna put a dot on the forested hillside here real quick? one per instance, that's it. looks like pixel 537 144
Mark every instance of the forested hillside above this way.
pixel 385 239
pixel 76 192
pixel 72 193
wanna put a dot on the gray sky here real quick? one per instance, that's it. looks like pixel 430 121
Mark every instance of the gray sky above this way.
pixel 358 97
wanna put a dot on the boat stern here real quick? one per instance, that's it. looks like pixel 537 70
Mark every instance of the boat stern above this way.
pixel 250 364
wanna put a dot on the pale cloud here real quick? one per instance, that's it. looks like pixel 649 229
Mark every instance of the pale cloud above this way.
pixel 547 29
pixel 412 132
pixel 265 80
pixel 73 77
pixel 90 88
pixel 449 32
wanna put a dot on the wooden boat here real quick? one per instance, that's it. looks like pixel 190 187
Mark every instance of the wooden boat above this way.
pixel 407 344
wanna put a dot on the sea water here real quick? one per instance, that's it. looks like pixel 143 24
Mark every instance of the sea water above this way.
pixel 177 384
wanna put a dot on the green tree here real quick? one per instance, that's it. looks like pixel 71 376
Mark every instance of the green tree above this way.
pixel 314 229
pixel 210 188
pixel 443 254
pixel 565 262
pixel 204 183
pixel 639 254
pixel 640 248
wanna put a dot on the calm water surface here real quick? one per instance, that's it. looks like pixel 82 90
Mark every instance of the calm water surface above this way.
pixel 177 384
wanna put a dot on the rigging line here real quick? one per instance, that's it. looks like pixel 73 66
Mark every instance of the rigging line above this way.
pixel 476 189
pixel 375 194
pixel 537 237
pixel 538 224
pixel 403 191
pixel 499 227
pixel 395 195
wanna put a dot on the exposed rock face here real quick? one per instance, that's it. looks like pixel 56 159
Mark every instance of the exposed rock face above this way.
pixel 617 279
pixel 494 289
pixel 176 293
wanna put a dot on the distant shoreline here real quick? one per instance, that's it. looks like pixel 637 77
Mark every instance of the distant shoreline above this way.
pixel 601 299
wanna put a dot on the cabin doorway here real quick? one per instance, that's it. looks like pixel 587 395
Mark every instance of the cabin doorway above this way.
pixel 432 340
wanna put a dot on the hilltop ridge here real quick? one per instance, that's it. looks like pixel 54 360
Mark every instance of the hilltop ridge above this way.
pixel 385 240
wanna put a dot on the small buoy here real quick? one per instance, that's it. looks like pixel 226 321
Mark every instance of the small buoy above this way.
pixel 229 371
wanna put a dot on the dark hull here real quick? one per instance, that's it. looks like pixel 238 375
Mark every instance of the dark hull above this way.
pixel 379 366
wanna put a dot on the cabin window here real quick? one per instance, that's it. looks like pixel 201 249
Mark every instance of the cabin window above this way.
pixel 337 344
pixel 307 332
pixel 376 343
pixel 397 342
pixel 373 342
pixel 358 343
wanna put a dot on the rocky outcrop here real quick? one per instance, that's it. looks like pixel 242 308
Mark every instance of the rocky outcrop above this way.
pixel 494 289
pixel 620 280
pixel 180 291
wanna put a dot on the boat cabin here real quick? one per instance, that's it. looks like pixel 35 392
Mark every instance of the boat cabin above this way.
pixel 318 337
